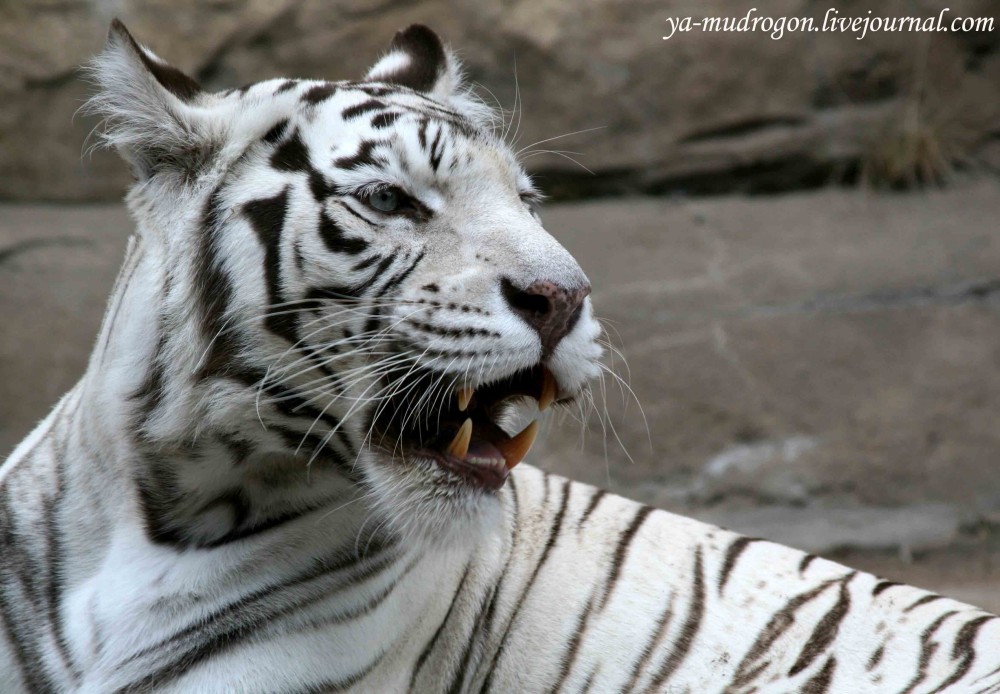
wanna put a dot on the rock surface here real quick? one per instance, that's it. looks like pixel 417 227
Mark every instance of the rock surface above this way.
pixel 702 111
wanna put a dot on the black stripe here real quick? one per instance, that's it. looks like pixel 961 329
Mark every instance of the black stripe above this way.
pixel 927 650
pixel 291 155
pixel 748 668
pixel 401 276
pixel 482 626
pixel 732 556
pixel 647 652
pixel 963 648
pixel 624 542
pixel 275 132
pixel 424 654
pixel 341 292
pixel 569 657
pixel 595 499
pixel 247 531
pixel 159 493
pixel 27 652
pixel 365 608
pixel 876 657
pixel 884 585
pixel 825 631
pixel 804 564
pixel 436 154
pixel 319 93
pixel 550 542
pixel 384 120
pixel 345 683
pixel 334 238
pixel 373 319
pixel 451 332
pixel 363 157
pixel 684 639
pixel 366 263
pixel 364 107
pixel 922 601
pixel 152 391
pixel 355 213
pixel 267 217
pixel 54 560
pixel 214 290
pixel 285 86
pixel 234 623
pixel 820 682
pixel 422 132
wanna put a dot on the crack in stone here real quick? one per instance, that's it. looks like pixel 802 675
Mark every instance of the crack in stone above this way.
pixel 971 291
pixel 16 249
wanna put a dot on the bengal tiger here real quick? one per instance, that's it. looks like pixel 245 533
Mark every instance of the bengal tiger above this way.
pixel 290 463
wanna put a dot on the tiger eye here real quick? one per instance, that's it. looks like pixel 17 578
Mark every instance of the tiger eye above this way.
pixel 384 200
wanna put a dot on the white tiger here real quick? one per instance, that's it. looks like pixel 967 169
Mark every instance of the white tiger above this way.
pixel 284 470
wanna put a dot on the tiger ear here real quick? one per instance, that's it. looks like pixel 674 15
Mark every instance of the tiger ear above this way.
pixel 150 108
pixel 418 59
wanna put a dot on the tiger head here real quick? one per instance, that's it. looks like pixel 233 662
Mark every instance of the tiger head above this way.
pixel 357 270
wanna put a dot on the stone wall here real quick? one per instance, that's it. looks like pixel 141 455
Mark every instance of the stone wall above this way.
pixel 699 112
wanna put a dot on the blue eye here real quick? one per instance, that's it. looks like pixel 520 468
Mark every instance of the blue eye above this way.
pixel 386 200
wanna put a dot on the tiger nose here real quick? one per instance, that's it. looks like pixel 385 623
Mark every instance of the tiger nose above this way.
pixel 552 310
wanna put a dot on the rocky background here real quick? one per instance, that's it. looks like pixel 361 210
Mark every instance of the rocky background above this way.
pixel 820 367
pixel 702 112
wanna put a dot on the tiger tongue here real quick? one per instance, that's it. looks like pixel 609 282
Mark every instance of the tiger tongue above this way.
pixel 483 449
pixel 477 445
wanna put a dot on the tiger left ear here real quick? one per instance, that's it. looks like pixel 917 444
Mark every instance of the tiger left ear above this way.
pixel 418 59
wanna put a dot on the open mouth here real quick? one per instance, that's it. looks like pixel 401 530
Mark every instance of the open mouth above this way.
pixel 462 434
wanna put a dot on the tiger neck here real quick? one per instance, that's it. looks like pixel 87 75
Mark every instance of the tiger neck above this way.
pixel 207 466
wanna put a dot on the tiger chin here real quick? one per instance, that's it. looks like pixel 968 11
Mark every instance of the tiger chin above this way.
pixel 294 461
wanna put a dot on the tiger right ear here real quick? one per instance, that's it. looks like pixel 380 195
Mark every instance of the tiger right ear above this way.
pixel 150 110
pixel 418 59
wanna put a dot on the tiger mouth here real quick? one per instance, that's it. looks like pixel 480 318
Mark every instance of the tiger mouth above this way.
pixel 463 435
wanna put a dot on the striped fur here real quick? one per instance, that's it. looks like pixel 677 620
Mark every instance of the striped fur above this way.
pixel 212 509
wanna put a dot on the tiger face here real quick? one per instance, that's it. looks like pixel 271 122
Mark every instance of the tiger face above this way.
pixel 371 280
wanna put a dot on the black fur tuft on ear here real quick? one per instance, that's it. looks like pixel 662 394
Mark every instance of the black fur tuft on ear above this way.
pixel 152 111
pixel 427 58
pixel 169 77
pixel 417 59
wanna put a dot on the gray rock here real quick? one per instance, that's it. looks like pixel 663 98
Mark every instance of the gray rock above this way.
pixel 822 530
pixel 702 110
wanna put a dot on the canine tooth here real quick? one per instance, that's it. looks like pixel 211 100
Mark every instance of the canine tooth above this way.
pixel 459 446
pixel 464 395
pixel 548 394
pixel 515 449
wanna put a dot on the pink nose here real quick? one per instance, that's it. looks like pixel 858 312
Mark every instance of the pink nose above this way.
pixel 550 309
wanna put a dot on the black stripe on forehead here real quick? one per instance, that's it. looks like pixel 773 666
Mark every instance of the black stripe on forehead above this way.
pixel 319 93
pixel 275 132
pixel 384 120
pixel 364 107
pixel 365 155
pixel 291 155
